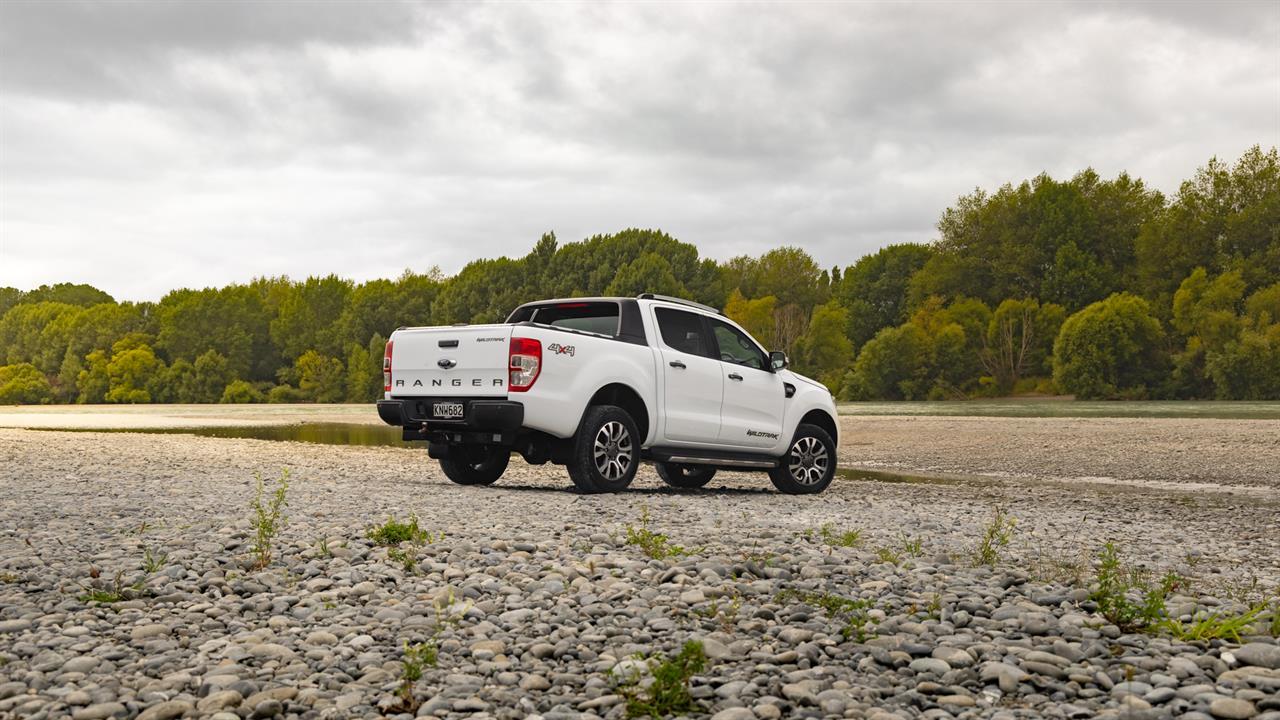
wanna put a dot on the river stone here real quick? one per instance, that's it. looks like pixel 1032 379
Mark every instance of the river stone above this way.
pixel 166 710
pixel 1259 654
pixel 98 711
pixel 1232 709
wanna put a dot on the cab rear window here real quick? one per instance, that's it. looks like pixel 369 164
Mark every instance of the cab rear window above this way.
pixel 594 317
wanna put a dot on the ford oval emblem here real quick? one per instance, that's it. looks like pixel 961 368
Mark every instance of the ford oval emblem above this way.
pixel 445 363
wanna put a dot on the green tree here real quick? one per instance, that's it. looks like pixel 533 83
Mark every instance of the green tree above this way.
pixel 308 317
pixel 756 316
pixel 8 298
pixel 232 321
pixel 31 333
pixel 1225 218
pixel 648 273
pixel 320 378
pixel 824 351
pixel 1069 243
pixel 1263 306
pixel 69 293
pixel 1111 349
pixel 1019 341
pixel 135 374
pixel 485 291
pixel 875 288
pixel 211 375
pixel 24 384
pixel 364 374
pixel 93 381
pixel 240 391
pixel 787 273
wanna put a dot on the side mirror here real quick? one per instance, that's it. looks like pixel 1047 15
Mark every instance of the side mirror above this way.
pixel 778 360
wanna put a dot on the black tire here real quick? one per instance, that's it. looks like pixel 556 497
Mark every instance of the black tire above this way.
pixel 809 465
pixel 606 451
pixel 475 464
pixel 684 476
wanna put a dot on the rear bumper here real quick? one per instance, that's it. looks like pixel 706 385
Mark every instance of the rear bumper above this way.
pixel 482 415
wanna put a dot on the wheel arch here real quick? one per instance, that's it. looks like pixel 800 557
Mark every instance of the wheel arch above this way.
pixel 824 420
pixel 625 397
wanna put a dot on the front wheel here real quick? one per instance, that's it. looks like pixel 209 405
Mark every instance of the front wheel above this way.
pixel 606 451
pixel 809 465
pixel 684 476
pixel 476 464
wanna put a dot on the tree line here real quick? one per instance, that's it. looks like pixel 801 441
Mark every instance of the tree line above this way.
pixel 1100 288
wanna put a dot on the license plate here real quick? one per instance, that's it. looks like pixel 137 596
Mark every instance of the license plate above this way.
pixel 446 410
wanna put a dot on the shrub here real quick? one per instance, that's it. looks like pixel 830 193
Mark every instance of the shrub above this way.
pixel 240 391
pixel 24 384
pixel 285 394
pixel 1110 349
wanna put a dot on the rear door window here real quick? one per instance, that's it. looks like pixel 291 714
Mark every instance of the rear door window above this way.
pixel 594 317
pixel 682 331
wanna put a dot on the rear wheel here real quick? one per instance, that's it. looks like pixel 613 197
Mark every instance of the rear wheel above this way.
pixel 809 464
pixel 684 476
pixel 475 464
pixel 606 451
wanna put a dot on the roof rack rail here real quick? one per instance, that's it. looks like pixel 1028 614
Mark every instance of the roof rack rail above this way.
pixel 678 301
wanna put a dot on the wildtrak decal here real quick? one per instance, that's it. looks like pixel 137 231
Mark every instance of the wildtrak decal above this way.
pixel 492 339
pixel 559 349
pixel 761 433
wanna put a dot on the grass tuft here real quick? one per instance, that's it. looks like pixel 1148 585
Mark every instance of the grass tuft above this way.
pixel 653 544
pixel 268 517
pixel 669 693
pixel 995 535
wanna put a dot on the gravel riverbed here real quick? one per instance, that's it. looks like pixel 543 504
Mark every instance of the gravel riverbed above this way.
pixel 539 606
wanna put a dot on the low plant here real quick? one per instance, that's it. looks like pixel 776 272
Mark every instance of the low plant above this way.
pixel 413 660
pixel 653 544
pixel 888 555
pixel 840 538
pixel 393 532
pixel 406 556
pixel 153 560
pixel 322 547
pixel 855 614
pixel 1273 627
pixel 669 693
pixel 9 578
pixel 1224 625
pixel 913 546
pixel 724 611
pixel 268 517
pixel 116 591
pixel 934 608
pixel 995 535
pixel 1126 597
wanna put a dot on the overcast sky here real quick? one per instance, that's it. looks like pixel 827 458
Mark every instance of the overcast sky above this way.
pixel 152 145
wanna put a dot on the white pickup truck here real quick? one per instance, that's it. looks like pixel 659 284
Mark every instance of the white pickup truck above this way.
pixel 601 384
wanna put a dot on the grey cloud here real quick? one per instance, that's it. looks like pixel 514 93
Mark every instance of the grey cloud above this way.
pixel 366 137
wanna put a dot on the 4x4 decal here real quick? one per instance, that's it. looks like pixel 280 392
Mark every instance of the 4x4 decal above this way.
pixel 559 349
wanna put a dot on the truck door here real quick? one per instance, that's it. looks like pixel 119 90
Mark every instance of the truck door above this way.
pixel 751 414
pixel 694 386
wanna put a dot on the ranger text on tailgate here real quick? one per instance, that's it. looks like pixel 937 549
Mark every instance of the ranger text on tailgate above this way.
pixel 600 385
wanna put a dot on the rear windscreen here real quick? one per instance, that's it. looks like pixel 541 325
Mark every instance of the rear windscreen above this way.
pixel 595 317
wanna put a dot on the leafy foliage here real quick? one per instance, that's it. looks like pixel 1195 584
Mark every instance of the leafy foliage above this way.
pixel 268 517
pixel 669 692
pixel 1096 282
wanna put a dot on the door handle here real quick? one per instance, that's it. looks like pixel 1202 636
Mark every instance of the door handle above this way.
pixel 735 376
pixel 676 364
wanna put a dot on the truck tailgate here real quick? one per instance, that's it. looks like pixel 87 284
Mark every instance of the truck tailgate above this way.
pixel 453 361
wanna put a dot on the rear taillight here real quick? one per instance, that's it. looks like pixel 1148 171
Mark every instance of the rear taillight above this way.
pixel 386 368
pixel 524 360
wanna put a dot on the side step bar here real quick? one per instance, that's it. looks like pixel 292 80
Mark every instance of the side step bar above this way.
pixel 686 456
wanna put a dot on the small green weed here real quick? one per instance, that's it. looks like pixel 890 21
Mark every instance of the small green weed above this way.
pixel 1126 597
pixel 407 556
pixel 268 517
pixel 853 613
pixel 653 544
pixel 669 693
pixel 1212 626
pixel 997 534
pixel 724 611
pixel 9 578
pixel 393 532
pixel 116 591
pixel 415 658
pixel 913 547
pixel 888 555
pixel 153 560
pixel 322 547
pixel 840 538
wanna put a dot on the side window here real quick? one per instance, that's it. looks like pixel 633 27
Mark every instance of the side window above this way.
pixel 681 331
pixel 736 347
